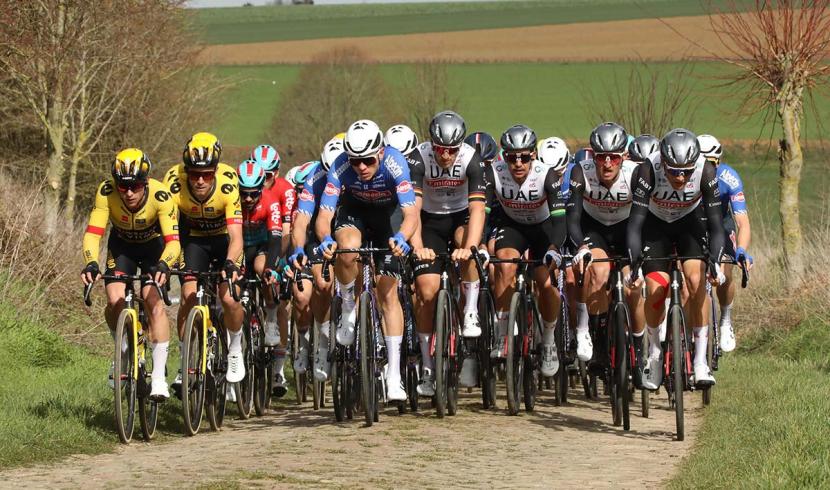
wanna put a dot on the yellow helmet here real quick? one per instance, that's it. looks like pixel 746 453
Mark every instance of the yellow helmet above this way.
pixel 131 165
pixel 340 136
pixel 202 151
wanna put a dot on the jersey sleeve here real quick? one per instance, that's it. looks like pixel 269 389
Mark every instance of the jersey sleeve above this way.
pixel 331 192
pixel 306 202
pixel 233 206
pixel 403 182
pixel 416 172
pixel 643 187
pixel 97 224
pixel 712 207
pixel 475 179
pixel 557 207
pixel 737 200
pixel 169 222
pixel 576 188
pixel 289 201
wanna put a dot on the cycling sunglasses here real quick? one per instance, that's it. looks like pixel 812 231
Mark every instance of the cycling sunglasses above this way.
pixel 132 186
pixel 440 149
pixel 680 172
pixel 250 194
pixel 206 176
pixel 612 158
pixel 358 161
pixel 270 175
pixel 525 158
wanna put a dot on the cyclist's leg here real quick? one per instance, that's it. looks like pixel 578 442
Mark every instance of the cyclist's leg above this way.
pixel 301 308
pixel 232 313
pixel 726 291
pixel 657 281
pixel 510 244
pixel 348 232
pixel 117 262
pixel 548 298
pixel 697 313
pixel 159 323
pixel 320 304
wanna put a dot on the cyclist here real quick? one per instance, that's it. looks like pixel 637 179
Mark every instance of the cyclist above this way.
pixel 145 234
pixel 206 194
pixel 373 180
pixel 598 206
pixel 531 218
pixel 488 150
pixel 450 193
pixel 733 205
pixel 676 202
pixel 281 192
pixel 554 153
pixel 402 138
pixel 305 245
pixel 642 146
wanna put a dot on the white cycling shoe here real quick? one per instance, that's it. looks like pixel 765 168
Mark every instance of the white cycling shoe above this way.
pixel 236 367
pixel 469 373
pixel 345 331
pixel 727 337
pixel 395 392
pixel 584 346
pixel 301 360
pixel 471 326
pixel 272 332
pixel 426 386
pixel 703 376
pixel 652 376
pixel 550 359
pixel 321 364
pixel 159 391
pixel 230 394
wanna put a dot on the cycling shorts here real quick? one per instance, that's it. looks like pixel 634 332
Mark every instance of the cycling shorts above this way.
pixel 687 236
pixel 522 237
pixel 374 224
pixel 251 252
pixel 127 257
pixel 438 233
pixel 610 239
pixel 731 242
pixel 200 252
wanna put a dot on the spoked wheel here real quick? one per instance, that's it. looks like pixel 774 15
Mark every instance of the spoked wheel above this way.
pixel 404 369
pixel 339 386
pixel 124 377
pixel 412 380
pixel 245 388
pixel 678 370
pixel 531 378
pixel 367 360
pixel 263 376
pixel 454 364
pixel 514 365
pixel 218 368
pixel 561 378
pixel 585 379
pixel 621 363
pixel 193 377
pixel 318 387
pixel 710 359
pixel 300 380
pixel 440 341
pixel 486 368
pixel 147 409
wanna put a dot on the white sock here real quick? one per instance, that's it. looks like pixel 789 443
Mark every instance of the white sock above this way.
pixel 423 340
pixel 548 334
pixel 305 337
pixel 393 354
pixel 470 290
pixel 279 363
pixel 581 318
pixel 236 341
pixel 638 334
pixel 653 342
pixel 726 313
pixel 160 359
pixel 347 294
pixel 271 314
pixel 701 339
pixel 323 332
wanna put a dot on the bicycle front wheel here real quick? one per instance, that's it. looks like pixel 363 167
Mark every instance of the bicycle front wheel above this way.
pixel 245 388
pixel 513 378
pixel 193 377
pixel 124 377
pixel 621 361
pixel 562 377
pixel 217 382
pixel 486 368
pixel 441 336
pixel 147 409
pixel 678 371
pixel 367 359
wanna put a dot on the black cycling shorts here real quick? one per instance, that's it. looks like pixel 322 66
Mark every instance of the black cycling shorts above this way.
pixel 251 252
pixel 687 236
pixel 126 258
pixel 375 226
pixel 518 236
pixel 610 239
pixel 731 234
pixel 199 252
pixel 438 233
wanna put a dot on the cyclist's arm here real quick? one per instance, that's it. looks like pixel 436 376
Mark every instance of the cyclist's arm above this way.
pixel 477 194
pixel 328 202
pixel 557 208
pixel 744 230
pixel 305 210
pixel 712 207
pixel 289 199
pixel 169 222
pixel 737 200
pixel 406 199
pixel 574 206
pixel 643 186
pixel 233 220
pixel 416 173
pixel 97 224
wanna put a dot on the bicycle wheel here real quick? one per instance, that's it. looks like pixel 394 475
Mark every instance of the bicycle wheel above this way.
pixel 487 368
pixel 317 387
pixel 678 370
pixel 454 360
pixel 147 409
pixel 621 363
pixel 367 358
pixel 561 378
pixel 300 382
pixel 338 388
pixel 513 378
pixel 193 378
pixel 245 388
pixel 585 379
pixel 412 385
pixel 710 359
pixel 124 378
pixel 441 336
pixel 531 377
pixel 262 388
pixel 218 368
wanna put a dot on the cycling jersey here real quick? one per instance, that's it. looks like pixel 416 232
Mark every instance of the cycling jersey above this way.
pixel 156 217
pixel 451 189
pixel 211 216
pixel 312 192
pixel 283 200
pixel 531 202
pixel 390 186
pixel 668 203
pixel 731 189
pixel 607 205
pixel 262 221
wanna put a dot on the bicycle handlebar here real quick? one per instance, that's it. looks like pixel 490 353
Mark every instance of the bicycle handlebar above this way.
pixel 162 292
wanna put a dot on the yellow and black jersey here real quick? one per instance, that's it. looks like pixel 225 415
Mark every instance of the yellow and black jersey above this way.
pixel 210 216
pixel 156 217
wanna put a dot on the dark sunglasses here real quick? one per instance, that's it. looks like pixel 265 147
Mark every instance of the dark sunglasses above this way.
pixel 368 161
pixel 612 158
pixel 250 194
pixel 439 149
pixel 206 176
pixel 680 172
pixel 270 175
pixel 515 157
pixel 133 186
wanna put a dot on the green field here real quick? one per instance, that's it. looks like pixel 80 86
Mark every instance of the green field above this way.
pixel 257 24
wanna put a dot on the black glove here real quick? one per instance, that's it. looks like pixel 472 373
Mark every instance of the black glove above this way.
pixel 163 268
pixel 230 267
pixel 92 268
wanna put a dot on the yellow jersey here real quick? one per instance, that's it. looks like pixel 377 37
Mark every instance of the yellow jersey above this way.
pixel 154 218
pixel 208 217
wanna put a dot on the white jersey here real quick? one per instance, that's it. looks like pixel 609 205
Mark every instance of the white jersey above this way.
pixel 446 190
pixel 611 205
pixel 670 204
pixel 525 203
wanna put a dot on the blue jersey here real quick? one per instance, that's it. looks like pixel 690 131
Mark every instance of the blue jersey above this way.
pixel 391 185
pixel 731 189
pixel 312 191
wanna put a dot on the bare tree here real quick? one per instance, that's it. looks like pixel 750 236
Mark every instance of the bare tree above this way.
pixel 780 49
pixel 656 98
pixel 426 93
pixel 338 87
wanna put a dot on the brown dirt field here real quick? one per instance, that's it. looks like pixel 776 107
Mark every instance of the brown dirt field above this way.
pixel 598 41
pixel 574 446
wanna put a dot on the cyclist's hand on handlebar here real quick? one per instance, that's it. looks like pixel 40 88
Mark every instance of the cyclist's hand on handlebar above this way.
pixel 327 247
pixel 297 259
pixel 90 273
pixel 716 275
pixel 634 280
pixel 398 245
pixel 270 276
pixel 582 259
pixel 425 254
pixel 742 256
pixel 230 270
pixel 485 256
pixel 161 274
pixel 461 254
pixel 553 259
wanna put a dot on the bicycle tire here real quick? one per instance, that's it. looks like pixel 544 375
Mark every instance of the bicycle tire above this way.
pixel 622 359
pixel 245 388
pixel 677 368
pixel 367 355
pixel 531 377
pixel 338 390
pixel 193 379
pixel 125 390
pixel 513 377
pixel 585 379
pixel 215 410
pixel 147 409
pixel 261 360
pixel 412 385
pixel 487 368
pixel 561 378
pixel 645 403
pixel 454 360
pixel 706 392
pixel 317 394
pixel 440 344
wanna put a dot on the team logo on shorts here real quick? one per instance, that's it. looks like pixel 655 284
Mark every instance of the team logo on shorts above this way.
pixel 331 189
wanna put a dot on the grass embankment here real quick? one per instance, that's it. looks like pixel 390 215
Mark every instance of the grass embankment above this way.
pixel 769 422
pixel 258 24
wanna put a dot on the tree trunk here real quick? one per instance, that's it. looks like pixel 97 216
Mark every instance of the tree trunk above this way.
pixel 55 168
pixel 791 161
pixel 71 190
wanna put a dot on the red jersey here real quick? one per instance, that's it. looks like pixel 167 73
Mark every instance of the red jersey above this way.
pixel 283 194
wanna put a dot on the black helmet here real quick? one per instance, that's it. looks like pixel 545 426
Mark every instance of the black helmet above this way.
pixel 447 129
pixel 518 138
pixel 679 148
pixel 643 146
pixel 609 138
pixel 484 144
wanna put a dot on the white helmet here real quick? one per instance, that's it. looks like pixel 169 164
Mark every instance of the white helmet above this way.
pixel 402 138
pixel 710 147
pixel 291 175
pixel 363 138
pixel 554 153
pixel 332 150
